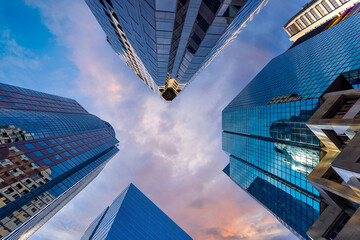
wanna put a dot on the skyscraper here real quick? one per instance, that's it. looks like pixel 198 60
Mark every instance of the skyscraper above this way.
pixel 50 149
pixel 167 47
pixel 272 150
pixel 133 216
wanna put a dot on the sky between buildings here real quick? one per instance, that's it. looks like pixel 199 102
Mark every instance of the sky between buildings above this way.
pixel 170 151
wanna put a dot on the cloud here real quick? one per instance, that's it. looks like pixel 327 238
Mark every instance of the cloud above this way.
pixel 172 152
pixel 15 55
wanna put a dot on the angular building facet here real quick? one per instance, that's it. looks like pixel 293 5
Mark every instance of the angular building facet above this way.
pixel 50 149
pixel 316 14
pixel 272 150
pixel 133 216
pixel 172 44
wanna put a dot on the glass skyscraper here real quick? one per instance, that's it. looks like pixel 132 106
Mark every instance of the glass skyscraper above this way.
pixel 133 216
pixel 168 47
pixel 271 149
pixel 50 149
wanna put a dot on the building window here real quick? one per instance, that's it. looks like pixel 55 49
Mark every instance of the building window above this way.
pixel 340 140
pixel 38 153
pixel 58 157
pixel 203 24
pixel 47 161
pixel 42 143
pixel 301 25
pixel 29 146
pixel 304 20
pixel 334 3
pixel 212 5
pixel 50 150
pixel 309 17
pixel 60 147
pixel 17 221
pixel 109 2
pixel 341 107
pixel 315 14
pixel 326 6
pixel 321 10
pixel 102 3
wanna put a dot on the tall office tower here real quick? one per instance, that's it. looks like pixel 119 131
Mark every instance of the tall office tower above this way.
pixel 168 46
pixel 271 149
pixel 316 14
pixel 133 216
pixel 50 149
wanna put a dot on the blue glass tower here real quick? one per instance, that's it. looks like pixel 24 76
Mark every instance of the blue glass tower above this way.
pixel 50 149
pixel 161 44
pixel 271 149
pixel 133 216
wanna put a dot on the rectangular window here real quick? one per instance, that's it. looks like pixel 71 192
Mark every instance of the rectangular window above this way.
pixel 309 17
pixel 212 5
pixel 29 146
pixel 203 24
pixel 60 147
pixel 321 10
pixel 61 139
pixel 50 150
pixel 67 154
pixel 301 25
pixel 315 14
pixel 304 20
pixel 52 141
pixel 38 153
pixel 47 161
pixel 42 143
pixel 326 6
pixel 58 157
pixel 334 3
pixel 73 150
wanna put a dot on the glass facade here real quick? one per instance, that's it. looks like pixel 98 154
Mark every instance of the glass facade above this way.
pixel 264 128
pixel 133 216
pixel 50 149
pixel 158 44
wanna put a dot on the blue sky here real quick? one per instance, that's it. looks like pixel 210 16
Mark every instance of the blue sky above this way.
pixel 170 151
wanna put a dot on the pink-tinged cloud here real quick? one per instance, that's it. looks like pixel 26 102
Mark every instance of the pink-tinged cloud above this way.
pixel 171 151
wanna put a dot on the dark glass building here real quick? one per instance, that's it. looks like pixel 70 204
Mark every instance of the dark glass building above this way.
pixel 50 149
pixel 272 151
pixel 133 216
pixel 160 42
